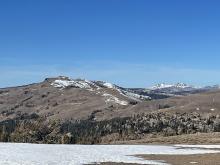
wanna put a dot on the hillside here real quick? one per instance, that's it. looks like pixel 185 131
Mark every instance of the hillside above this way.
pixel 63 98
pixel 64 110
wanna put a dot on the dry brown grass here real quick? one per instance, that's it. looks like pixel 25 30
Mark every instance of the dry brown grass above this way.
pixel 198 138
pixel 203 159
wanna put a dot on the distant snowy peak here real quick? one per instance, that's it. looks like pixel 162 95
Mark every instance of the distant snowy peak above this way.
pixel 177 89
pixel 177 85
pixel 161 86
pixel 182 85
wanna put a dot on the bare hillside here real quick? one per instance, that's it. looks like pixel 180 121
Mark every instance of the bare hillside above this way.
pixel 65 99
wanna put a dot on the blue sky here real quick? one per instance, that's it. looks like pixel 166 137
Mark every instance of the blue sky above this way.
pixel 127 42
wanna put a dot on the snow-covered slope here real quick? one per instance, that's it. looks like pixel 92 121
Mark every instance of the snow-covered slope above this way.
pixel 100 87
pixel 158 91
pixel 71 83
pixel 124 92
pixel 111 98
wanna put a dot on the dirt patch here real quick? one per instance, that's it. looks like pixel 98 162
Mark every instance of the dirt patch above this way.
pixel 204 159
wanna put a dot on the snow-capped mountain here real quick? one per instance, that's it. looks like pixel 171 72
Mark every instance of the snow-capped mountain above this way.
pixel 177 89
pixel 163 90
pixel 69 106
pixel 158 91
pixel 65 98
pixel 177 85
pixel 98 87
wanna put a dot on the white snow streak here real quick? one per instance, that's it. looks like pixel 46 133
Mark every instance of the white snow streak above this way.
pixel 111 98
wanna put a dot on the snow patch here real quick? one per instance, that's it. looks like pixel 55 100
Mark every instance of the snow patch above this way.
pixel 109 85
pixel 161 86
pixel 134 96
pixel 68 83
pixel 111 98
pixel 125 92
pixel 38 154
pixel 92 84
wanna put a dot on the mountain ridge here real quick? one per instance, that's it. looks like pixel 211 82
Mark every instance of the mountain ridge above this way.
pixel 64 110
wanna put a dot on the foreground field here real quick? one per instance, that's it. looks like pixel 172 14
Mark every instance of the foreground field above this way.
pixel 41 154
